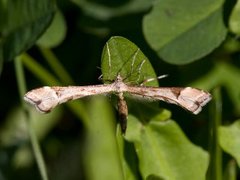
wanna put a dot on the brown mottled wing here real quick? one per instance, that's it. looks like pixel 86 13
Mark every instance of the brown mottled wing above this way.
pixel 46 98
pixel 191 99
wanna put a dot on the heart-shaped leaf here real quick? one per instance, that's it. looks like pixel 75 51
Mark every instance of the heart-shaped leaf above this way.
pixel 165 152
pixel 184 31
pixel 122 57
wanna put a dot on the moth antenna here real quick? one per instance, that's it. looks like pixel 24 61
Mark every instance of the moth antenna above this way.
pixel 99 68
pixel 153 79
pixel 162 76
pixel 100 78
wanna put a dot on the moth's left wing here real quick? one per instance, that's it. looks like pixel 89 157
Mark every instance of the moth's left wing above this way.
pixel 46 98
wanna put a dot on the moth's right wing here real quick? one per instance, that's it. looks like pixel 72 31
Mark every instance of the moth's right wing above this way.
pixel 191 99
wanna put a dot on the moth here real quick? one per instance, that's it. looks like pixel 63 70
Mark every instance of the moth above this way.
pixel 46 98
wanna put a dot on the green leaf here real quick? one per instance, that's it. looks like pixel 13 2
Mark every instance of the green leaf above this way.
pixel 234 21
pixel 101 156
pixel 55 33
pixel 229 139
pixel 164 152
pixel 128 157
pixel 122 57
pixel 112 9
pixel 24 22
pixel 184 31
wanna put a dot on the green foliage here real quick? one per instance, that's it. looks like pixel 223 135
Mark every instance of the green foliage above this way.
pixel 118 8
pixel 24 21
pixel 184 31
pixel 101 150
pixel 55 33
pixel 83 141
pixel 229 139
pixel 234 21
pixel 164 151
pixel 226 75
pixel 122 57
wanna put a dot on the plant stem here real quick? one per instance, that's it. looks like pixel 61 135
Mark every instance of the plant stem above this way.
pixel 215 168
pixel 56 65
pixel 38 70
pixel 29 119
pixel 77 107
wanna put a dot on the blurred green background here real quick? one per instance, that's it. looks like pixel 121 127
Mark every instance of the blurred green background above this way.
pixel 61 43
